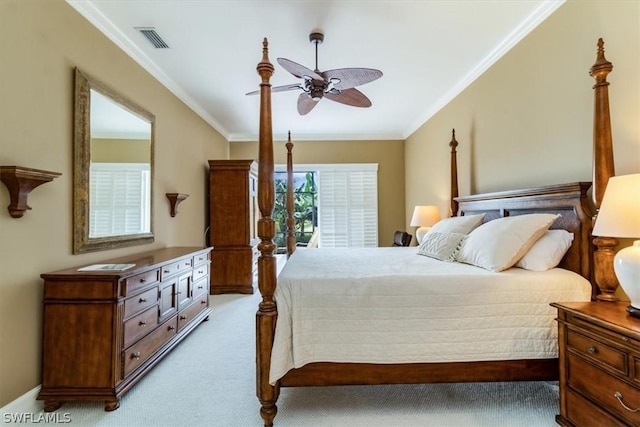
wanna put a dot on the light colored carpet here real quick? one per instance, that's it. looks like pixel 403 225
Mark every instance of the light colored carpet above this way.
pixel 209 380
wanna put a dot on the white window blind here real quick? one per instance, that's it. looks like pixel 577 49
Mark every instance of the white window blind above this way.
pixel 348 205
pixel 120 199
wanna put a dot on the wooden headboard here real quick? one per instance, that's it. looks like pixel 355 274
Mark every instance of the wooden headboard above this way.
pixel 570 201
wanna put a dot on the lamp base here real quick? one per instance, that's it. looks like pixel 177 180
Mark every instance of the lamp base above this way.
pixel 633 312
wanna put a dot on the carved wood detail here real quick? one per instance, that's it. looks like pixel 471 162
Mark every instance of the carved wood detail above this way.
pixel 291 236
pixel 603 169
pixel 20 181
pixel 454 174
pixel 267 312
pixel 175 199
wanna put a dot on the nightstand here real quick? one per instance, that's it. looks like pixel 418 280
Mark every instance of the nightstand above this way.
pixel 599 356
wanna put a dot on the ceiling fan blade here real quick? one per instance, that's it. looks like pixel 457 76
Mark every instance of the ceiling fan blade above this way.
pixel 351 77
pixel 279 89
pixel 298 70
pixel 305 104
pixel 352 97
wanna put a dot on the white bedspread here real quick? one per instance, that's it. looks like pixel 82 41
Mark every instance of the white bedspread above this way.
pixel 390 305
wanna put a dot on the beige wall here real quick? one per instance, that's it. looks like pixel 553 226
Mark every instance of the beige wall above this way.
pixel 528 120
pixel 114 150
pixel 41 42
pixel 389 155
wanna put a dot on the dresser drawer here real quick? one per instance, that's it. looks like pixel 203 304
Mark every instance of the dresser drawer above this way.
pixel 140 325
pixel 602 387
pixel 139 281
pixel 200 271
pixel 188 314
pixel 597 351
pixel 201 258
pixel 138 353
pixel 176 267
pixel 138 303
pixel 200 287
pixel 582 412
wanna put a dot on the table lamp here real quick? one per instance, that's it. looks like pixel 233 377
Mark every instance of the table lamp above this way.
pixel 423 218
pixel 619 216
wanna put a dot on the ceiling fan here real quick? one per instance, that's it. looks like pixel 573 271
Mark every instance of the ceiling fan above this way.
pixel 337 85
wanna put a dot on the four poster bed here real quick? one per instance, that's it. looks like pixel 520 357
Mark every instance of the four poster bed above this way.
pixel 449 346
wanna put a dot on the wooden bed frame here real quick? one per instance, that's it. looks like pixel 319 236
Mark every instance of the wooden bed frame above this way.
pixel 569 200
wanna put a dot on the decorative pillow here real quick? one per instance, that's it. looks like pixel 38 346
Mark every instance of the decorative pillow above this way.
pixel 457 224
pixel 497 245
pixel 547 252
pixel 442 246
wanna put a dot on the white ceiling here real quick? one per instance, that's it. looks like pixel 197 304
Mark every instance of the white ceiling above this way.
pixel 429 51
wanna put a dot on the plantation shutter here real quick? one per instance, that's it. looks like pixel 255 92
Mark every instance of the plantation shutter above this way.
pixel 119 198
pixel 348 205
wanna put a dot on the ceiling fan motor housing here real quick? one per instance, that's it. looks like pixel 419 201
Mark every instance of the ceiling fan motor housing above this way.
pixel 316 38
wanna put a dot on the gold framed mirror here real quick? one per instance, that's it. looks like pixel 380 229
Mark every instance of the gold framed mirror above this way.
pixel 112 169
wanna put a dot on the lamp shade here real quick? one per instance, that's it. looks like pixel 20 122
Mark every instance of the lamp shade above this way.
pixel 424 217
pixel 619 216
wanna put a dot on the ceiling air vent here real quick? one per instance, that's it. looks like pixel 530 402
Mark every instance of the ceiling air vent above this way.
pixel 153 37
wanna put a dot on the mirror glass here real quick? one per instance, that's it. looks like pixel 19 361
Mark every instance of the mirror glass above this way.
pixel 113 168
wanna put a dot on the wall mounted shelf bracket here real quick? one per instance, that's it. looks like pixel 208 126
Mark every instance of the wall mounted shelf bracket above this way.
pixel 20 181
pixel 175 199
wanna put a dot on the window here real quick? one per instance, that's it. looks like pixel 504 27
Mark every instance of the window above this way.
pixel 347 214
pixel 305 207
pixel 116 192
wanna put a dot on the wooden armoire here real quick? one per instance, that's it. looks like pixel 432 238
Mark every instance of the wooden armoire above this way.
pixel 233 218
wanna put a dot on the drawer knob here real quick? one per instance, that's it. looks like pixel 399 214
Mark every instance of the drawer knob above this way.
pixel 143 280
pixel 592 350
pixel 618 396
pixel 141 300
pixel 183 317
pixel 167 271
pixel 135 355
pixel 203 302
pixel 171 328
pixel 142 323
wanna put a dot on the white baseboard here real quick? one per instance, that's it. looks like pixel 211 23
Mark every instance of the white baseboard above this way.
pixel 25 404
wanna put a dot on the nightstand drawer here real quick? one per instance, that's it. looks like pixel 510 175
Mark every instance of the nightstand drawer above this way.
pixel 583 413
pixel 597 351
pixel 603 388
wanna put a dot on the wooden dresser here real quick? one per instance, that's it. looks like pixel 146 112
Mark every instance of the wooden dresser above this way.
pixel 599 351
pixel 233 218
pixel 103 330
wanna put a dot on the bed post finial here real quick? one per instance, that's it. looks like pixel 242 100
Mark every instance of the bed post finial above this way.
pixel 603 166
pixel 454 173
pixel 603 169
pixel 267 313
pixel 291 237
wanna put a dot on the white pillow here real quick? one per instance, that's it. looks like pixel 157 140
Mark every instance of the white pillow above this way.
pixel 442 246
pixel 457 224
pixel 497 245
pixel 547 252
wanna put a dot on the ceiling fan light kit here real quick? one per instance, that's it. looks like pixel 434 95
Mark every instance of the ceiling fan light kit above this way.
pixel 337 85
